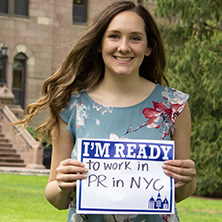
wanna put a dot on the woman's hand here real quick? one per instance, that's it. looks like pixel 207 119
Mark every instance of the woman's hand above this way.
pixel 183 171
pixel 68 172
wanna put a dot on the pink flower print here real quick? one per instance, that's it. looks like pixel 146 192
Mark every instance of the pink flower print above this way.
pixel 165 217
pixel 176 110
pixel 176 100
pixel 169 217
pixel 157 116
pixel 174 96
pixel 163 115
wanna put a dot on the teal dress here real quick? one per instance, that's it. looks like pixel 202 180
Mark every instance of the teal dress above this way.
pixel 153 118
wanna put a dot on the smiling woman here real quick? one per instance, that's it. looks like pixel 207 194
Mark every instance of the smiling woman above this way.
pixel 124 45
pixel 110 87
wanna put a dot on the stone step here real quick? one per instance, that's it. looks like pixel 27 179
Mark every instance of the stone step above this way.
pixel 7 150
pixel 3 140
pixel 5 145
pixel 6 154
pixel 11 160
pixel 5 164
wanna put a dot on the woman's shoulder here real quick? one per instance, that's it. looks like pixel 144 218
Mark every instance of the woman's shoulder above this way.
pixel 74 101
pixel 171 95
pixel 76 98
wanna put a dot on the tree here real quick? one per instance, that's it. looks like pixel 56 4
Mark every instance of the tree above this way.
pixel 192 31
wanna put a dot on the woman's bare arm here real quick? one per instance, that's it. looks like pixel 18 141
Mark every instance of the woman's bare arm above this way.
pixel 182 169
pixel 63 173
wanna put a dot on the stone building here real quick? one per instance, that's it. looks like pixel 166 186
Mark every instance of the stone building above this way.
pixel 37 35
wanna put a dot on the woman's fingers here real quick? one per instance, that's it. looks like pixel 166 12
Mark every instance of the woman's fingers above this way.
pixel 183 171
pixel 65 183
pixel 70 166
pixel 71 162
pixel 69 177
pixel 181 163
pixel 68 172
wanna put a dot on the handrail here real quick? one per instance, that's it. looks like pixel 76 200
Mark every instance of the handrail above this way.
pixel 30 141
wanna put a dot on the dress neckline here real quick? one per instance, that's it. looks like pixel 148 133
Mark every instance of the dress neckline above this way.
pixel 122 107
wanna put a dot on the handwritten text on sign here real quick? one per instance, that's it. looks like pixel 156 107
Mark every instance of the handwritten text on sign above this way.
pixel 125 177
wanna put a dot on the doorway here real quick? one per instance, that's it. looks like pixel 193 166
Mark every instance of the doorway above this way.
pixel 19 79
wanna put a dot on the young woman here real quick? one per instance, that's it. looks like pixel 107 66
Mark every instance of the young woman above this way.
pixel 114 74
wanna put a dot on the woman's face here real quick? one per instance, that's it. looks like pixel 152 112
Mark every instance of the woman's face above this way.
pixel 124 44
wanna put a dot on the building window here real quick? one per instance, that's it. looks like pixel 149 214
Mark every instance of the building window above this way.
pixel 19 79
pixel 4 6
pixel 79 11
pixel 21 7
pixel 14 7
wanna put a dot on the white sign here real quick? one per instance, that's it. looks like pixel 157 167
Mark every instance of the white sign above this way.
pixel 125 177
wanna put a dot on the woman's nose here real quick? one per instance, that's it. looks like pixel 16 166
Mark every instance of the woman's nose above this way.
pixel 124 46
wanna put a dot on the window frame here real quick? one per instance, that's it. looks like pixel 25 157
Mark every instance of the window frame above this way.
pixel 11 9
pixel 6 8
pixel 25 8
pixel 19 92
pixel 83 18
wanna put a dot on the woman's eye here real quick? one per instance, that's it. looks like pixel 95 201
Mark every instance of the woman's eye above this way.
pixel 135 38
pixel 113 36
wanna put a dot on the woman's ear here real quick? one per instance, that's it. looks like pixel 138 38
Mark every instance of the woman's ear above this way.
pixel 148 51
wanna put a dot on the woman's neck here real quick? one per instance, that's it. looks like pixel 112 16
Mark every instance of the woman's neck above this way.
pixel 121 85
pixel 122 91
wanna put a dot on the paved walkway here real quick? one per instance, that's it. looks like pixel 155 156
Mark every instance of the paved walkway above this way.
pixel 24 171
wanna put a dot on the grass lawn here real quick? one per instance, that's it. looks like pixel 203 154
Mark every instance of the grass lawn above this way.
pixel 22 199
pixel 200 209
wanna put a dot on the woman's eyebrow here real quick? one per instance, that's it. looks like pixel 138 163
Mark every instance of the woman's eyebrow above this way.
pixel 112 31
pixel 132 33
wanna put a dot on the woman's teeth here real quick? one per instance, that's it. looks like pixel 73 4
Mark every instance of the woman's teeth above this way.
pixel 123 59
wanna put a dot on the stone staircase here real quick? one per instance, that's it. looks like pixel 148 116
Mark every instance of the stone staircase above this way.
pixel 18 149
pixel 8 155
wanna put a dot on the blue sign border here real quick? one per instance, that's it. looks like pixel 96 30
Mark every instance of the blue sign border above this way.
pixel 151 142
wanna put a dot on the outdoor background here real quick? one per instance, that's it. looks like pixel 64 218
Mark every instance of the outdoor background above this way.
pixel 192 32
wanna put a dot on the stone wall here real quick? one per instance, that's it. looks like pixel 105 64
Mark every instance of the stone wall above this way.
pixel 45 37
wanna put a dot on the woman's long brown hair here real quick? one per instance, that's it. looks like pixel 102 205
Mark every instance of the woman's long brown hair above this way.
pixel 83 67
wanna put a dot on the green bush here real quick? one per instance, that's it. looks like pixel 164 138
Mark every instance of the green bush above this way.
pixel 192 32
pixel 206 152
pixel 32 131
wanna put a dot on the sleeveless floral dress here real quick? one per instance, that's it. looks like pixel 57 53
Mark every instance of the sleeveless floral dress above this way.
pixel 153 118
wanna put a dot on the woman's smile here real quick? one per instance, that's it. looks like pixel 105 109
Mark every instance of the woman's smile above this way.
pixel 123 60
